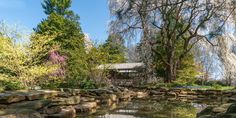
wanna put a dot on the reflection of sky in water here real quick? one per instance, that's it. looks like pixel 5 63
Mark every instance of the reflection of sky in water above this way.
pixel 117 116
pixel 199 107
pixel 126 111
pixel 152 109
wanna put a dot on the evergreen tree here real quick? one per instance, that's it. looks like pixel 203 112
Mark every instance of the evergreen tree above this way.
pixel 114 47
pixel 69 38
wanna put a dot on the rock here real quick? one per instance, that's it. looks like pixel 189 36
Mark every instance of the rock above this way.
pixel 171 94
pixel 183 92
pixel 66 112
pixel 226 116
pixel 183 95
pixel 66 101
pixel 64 94
pixel 51 110
pixel 2 106
pixel 87 99
pixel 34 105
pixel 231 109
pixel 71 91
pixel 113 97
pixel 49 93
pixel 206 116
pixel 205 112
pixel 232 99
pixel 114 89
pixel 6 98
pixel 100 91
pixel 20 113
pixel 126 97
pixel 86 107
pixel 106 101
pixel 142 94
pixel 156 93
pixel 34 96
pixel 218 110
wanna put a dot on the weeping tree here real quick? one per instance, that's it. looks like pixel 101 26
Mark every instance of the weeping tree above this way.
pixel 180 24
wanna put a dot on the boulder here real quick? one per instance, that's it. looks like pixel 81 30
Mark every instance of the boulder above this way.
pixel 231 109
pixel 205 112
pixel 113 97
pixel 49 93
pixel 126 97
pixel 70 91
pixel 51 110
pixel 66 101
pixel 34 105
pixel 171 94
pixel 87 99
pixel 34 96
pixel 6 98
pixel 20 113
pixel 66 112
pixel 106 101
pixel 86 107
pixel 100 91
pixel 142 94
pixel 226 116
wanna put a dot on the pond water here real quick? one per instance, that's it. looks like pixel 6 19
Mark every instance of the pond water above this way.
pixel 151 109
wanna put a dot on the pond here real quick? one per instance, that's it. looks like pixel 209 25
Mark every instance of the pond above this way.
pixel 151 109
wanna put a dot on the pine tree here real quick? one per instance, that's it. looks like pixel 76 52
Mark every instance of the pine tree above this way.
pixel 64 25
pixel 114 47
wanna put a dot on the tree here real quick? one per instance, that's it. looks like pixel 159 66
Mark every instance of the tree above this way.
pixel 16 68
pixel 60 7
pixel 181 24
pixel 226 45
pixel 62 23
pixel 114 47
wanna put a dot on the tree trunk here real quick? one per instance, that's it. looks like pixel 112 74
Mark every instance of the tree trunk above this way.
pixel 170 73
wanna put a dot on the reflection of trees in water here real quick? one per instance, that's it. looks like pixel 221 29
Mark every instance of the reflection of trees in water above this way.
pixel 150 109
pixel 167 109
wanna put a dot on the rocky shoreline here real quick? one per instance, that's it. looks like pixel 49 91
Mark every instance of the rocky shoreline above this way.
pixel 67 103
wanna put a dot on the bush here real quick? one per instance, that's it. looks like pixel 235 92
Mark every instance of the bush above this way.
pixel 10 85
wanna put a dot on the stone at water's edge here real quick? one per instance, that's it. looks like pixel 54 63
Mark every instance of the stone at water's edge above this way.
pixel 35 105
pixel 87 99
pixel 51 110
pixel 113 97
pixel 66 112
pixel 66 101
pixel 21 95
pixel 142 94
pixel 231 109
pixel 20 113
pixel 222 111
pixel 206 111
pixel 86 107
pixel 6 98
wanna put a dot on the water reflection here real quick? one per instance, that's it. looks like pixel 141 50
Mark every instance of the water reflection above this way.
pixel 150 109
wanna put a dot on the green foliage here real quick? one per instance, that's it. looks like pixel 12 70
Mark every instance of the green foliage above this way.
pixel 10 84
pixel 60 7
pixel 187 72
pixel 186 69
pixel 114 49
pixel 16 69
pixel 69 40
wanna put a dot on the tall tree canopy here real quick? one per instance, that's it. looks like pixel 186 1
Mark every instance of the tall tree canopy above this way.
pixel 62 23
pixel 180 24
pixel 115 49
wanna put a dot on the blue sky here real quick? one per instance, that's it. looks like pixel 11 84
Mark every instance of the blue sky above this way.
pixel 94 15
